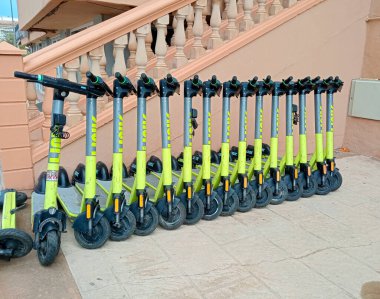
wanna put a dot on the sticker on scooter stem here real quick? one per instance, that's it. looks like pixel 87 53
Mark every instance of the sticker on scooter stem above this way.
pixel 120 133
pixel 52 175
pixel 93 136
pixel 209 127
pixel 144 132
pixel 168 128
pixel 228 126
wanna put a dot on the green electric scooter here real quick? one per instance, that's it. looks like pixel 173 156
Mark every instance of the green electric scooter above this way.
pixel 262 190
pixel 287 168
pixel 213 204
pixel 171 210
pixel 48 222
pixel 14 242
pixel 144 210
pixel 309 184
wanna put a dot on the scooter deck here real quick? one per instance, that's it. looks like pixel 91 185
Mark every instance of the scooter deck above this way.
pixel 101 195
pixel 37 202
pixel 105 187
pixel 71 200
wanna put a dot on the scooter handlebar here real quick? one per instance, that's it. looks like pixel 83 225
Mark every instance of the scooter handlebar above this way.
pixel 288 80
pixel 305 80
pixel 267 79
pixel 119 77
pixel 26 76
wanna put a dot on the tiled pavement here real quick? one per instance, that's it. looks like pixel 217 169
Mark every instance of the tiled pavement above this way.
pixel 320 247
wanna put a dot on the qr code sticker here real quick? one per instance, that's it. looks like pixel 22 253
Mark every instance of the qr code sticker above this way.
pixel 52 175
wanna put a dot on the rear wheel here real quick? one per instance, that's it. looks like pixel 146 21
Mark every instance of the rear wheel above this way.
pixel 149 223
pixel 232 201
pixel 100 234
pixel 175 220
pixel 125 228
pixel 17 241
pixel 49 248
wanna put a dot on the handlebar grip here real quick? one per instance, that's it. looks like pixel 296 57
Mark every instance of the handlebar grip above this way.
pixel 316 79
pixel 305 80
pixel 119 77
pixel 145 78
pixel 254 80
pixel 287 81
pixel 337 78
pixel 267 79
pixel 169 78
pixel 213 79
pixel 329 79
pixel 234 80
pixel 25 76
pixel 195 79
pixel 91 76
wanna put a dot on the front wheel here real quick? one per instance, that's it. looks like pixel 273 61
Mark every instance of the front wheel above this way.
pixel 282 193
pixel 175 220
pixel 336 179
pixel 18 242
pixel 322 189
pixel 245 204
pixel 100 234
pixel 149 223
pixel 232 201
pixel 49 248
pixel 312 189
pixel 216 205
pixel 197 209
pixel 296 192
pixel 266 195
pixel 125 228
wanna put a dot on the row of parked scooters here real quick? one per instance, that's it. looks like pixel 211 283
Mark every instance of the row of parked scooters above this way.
pixel 172 191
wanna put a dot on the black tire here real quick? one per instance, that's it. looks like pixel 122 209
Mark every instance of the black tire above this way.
pixel 232 201
pixel 178 217
pixel 282 192
pixel 215 208
pixel 322 189
pixel 100 234
pixel 125 230
pixel 196 213
pixel 336 180
pixel 149 224
pixel 295 194
pixel 250 200
pixel 266 196
pixel 17 240
pixel 312 189
pixel 49 248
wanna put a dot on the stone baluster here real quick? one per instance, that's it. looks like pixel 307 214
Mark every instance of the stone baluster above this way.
pixel 84 67
pixel 132 47
pixel 197 48
pixel 103 63
pixel 95 57
pixel 289 3
pixel 206 11
pixel 261 13
pixel 215 40
pixel 174 26
pixel 161 69
pixel 74 114
pixel 240 5
pixel 180 58
pixel 224 14
pixel 141 56
pixel 275 8
pixel 148 43
pixel 119 45
pixel 231 30
pixel 247 22
pixel 190 22
pixel 31 95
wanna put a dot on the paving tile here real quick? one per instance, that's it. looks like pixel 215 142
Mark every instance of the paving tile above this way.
pixel 366 254
pixel 292 279
pixel 341 269
pixel 114 291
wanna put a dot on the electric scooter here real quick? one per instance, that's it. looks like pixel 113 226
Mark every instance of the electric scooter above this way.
pixel 171 210
pixel 304 86
pixel 261 188
pixel 144 210
pixel 20 198
pixel 48 222
pixel 213 204
pixel 335 176
pixel 14 242
pixel 271 169
pixel 287 168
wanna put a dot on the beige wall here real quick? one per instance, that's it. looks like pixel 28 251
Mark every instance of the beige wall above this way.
pixel 362 134
pixel 326 40
pixel 27 10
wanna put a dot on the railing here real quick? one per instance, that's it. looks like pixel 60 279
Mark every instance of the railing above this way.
pixel 130 38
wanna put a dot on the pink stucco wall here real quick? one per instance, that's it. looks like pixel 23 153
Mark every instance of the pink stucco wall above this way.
pixel 327 40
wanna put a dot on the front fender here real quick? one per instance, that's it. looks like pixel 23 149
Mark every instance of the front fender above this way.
pixel 110 214
pixel 134 208
pixel 162 206
pixel 81 224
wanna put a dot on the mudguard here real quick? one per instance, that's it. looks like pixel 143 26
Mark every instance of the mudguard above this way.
pixel 183 198
pixel 287 180
pixel 162 206
pixel 44 222
pixel 110 215
pixel 80 223
pixel 134 208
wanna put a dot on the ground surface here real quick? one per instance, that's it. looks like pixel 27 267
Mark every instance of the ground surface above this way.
pixel 321 247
